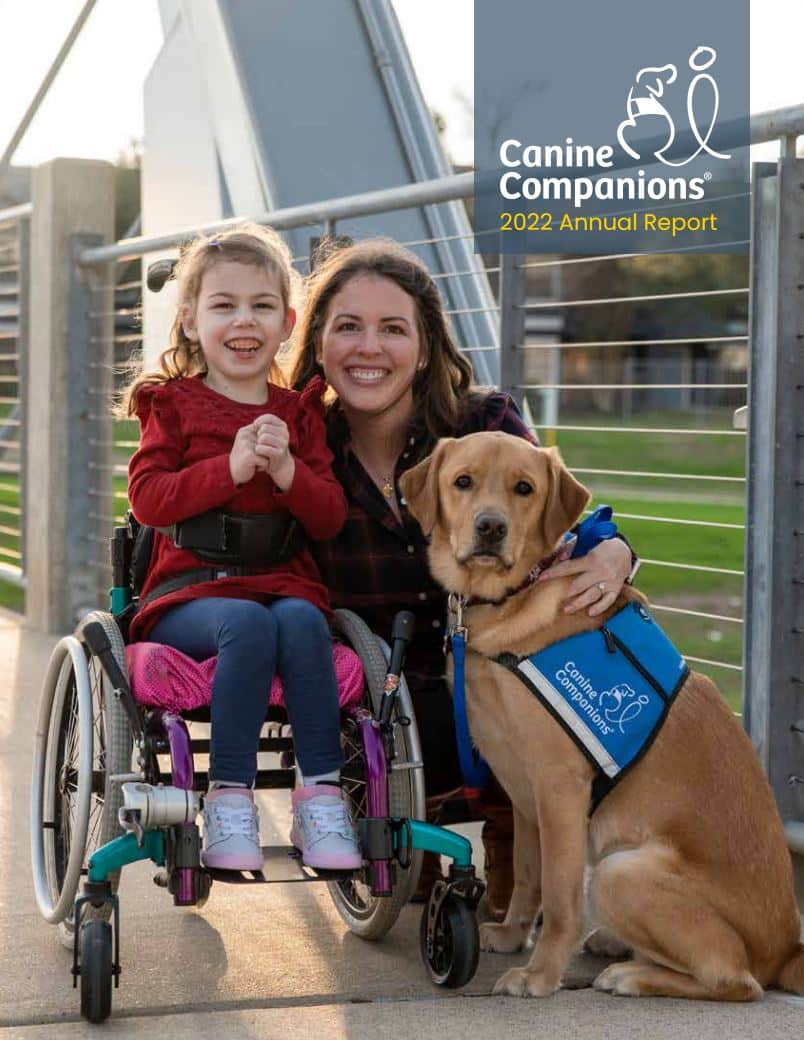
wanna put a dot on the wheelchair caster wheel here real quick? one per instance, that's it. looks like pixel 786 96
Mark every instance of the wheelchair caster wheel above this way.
pixel 451 955
pixel 203 884
pixel 96 971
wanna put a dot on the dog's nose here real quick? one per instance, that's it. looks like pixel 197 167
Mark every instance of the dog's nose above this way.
pixel 491 527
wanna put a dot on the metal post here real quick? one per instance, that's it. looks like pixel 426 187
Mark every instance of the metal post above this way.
pixel 513 277
pixel 69 363
pixel 774 571
pixel 88 397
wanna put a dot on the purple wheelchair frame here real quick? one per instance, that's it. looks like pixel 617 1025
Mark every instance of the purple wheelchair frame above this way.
pixel 183 772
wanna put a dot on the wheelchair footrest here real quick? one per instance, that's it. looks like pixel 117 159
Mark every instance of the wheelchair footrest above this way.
pixel 266 779
pixel 282 865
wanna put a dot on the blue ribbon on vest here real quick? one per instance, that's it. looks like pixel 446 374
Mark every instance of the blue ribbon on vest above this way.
pixel 596 528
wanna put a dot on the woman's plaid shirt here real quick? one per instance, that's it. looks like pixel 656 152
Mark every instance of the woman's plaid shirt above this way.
pixel 377 565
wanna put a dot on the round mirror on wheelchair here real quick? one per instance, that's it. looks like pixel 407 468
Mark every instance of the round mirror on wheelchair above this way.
pixel 82 741
pixel 366 915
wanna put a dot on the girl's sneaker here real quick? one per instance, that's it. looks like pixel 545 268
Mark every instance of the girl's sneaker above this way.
pixel 231 830
pixel 322 829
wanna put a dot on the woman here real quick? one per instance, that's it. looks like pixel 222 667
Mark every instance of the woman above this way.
pixel 374 326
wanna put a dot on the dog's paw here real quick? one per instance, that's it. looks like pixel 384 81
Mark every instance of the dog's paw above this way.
pixel 501 938
pixel 603 943
pixel 619 979
pixel 519 982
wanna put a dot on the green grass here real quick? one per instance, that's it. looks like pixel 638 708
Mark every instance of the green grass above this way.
pixel 714 455
pixel 11 596
pixel 124 431
pixel 682 542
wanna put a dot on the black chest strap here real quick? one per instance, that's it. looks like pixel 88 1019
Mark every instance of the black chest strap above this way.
pixel 239 539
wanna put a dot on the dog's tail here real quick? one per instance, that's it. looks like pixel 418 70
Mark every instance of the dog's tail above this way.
pixel 791 975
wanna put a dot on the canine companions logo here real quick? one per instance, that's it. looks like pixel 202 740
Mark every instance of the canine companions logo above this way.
pixel 702 93
pixel 621 704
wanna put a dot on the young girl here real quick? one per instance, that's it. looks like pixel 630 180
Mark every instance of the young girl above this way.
pixel 221 437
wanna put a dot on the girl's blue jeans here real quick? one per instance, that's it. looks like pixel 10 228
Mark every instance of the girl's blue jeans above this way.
pixel 253 641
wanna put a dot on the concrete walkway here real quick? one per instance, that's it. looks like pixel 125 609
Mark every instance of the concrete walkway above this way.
pixel 276 961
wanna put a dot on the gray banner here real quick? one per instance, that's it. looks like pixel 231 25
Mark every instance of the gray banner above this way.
pixel 611 127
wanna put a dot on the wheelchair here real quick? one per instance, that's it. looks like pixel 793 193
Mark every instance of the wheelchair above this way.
pixel 115 783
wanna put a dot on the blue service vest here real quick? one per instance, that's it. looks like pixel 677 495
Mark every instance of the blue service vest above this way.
pixel 610 689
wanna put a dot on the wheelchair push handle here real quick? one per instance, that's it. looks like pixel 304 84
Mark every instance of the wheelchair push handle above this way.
pixel 401 634
pixel 160 272
pixel 120 550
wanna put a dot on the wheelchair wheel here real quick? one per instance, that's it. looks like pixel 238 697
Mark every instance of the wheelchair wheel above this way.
pixel 452 959
pixel 371 917
pixel 82 739
pixel 96 971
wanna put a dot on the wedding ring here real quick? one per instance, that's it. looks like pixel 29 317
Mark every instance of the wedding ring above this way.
pixel 602 586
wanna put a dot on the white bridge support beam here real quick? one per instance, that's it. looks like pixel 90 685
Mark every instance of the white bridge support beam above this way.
pixel 262 105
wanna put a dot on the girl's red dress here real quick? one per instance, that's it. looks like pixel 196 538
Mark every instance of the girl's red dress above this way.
pixel 181 469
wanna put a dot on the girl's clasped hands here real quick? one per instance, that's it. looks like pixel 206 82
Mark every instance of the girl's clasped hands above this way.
pixel 263 446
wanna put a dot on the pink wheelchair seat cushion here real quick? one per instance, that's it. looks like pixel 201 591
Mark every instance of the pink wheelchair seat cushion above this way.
pixel 162 677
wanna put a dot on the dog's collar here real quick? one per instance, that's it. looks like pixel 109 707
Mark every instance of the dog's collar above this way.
pixel 474 768
pixel 561 553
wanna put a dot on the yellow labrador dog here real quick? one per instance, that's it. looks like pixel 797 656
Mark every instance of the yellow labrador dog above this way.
pixel 690 866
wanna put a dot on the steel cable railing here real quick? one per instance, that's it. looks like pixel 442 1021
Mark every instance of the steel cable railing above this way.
pixel 563 359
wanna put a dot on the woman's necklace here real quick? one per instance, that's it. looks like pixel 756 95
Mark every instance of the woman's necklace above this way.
pixel 384 482
pixel 387 487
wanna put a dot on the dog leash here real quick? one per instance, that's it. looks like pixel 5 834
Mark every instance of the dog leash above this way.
pixel 597 527
pixel 474 767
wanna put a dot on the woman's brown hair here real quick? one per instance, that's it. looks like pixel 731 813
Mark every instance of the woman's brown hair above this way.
pixel 441 387
pixel 244 244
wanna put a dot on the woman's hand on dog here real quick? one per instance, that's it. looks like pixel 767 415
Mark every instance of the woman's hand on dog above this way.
pixel 599 576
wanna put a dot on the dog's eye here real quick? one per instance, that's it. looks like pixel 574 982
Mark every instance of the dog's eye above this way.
pixel 522 487
pixel 463 482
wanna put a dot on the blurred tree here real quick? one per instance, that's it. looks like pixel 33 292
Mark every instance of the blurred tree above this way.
pixel 127 187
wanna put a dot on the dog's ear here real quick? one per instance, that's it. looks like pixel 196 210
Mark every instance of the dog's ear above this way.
pixel 566 498
pixel 419 486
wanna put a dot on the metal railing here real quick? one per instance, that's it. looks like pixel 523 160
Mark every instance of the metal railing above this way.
pixel 648 526
pixel 534 384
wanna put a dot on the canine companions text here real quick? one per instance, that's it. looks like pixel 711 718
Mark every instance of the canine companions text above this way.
pixel 688 860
